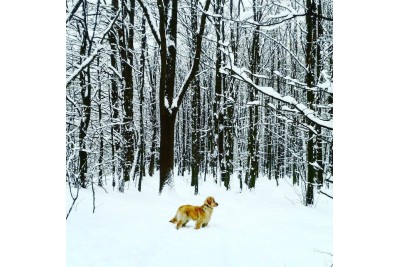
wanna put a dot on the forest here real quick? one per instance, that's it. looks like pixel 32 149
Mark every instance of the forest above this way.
pixel 206 89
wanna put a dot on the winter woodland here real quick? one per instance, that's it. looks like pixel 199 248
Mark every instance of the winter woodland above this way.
pixel 226 88
pixel 231 96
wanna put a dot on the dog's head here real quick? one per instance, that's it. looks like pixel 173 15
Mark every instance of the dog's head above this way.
pixel 211 202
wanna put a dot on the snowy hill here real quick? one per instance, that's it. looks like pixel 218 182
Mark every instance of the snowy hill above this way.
pixel 266 227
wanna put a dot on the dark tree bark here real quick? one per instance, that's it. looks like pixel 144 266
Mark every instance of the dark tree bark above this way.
pixel 319 152
pixel 218 104
pixel 310 81
pixel 86 90
pixel 230 96
pixel 195 159
pixel 83 127
pixel 101 148
pixel 153 119
pixel 114 94
pixel 252 160
pixel 141 153
pixel 126 51
pixel 167 85
pixel 269 144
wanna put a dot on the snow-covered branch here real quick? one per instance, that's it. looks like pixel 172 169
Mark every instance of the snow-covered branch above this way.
pixel 195 65
pixel 95 53
pixel 271 22
pixel 150 20
pixel 326 86
pixel 84 64
pixel 284 47
pixel 116 72
pixel 241 74
pixel 73 11
pixel 74 104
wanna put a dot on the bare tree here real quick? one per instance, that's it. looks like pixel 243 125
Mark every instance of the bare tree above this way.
pixel 169 105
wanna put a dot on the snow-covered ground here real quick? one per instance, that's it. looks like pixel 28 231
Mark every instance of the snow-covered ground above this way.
pixel 266 227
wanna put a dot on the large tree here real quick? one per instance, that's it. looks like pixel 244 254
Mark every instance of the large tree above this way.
pixel 166 37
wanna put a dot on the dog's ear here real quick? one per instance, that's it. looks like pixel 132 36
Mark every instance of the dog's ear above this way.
pixel 209 200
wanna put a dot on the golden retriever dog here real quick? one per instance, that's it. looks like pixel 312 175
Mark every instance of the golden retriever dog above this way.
pixel 200 214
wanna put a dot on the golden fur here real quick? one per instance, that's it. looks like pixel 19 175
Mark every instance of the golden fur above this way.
pixel 200 214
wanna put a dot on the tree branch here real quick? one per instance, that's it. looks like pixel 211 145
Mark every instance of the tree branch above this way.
pixel 95 53
pixel 325 194
pixel 73 11
pixel 195 66
pixel 73 198
pixel 240 74
pixel 151 21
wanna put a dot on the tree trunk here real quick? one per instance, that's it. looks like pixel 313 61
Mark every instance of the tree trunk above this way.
pixel 167 85
pixel 319 30
pixel 83 127
pixel 141 153
pixel 114 95
pixel 86 88
pixel 101 148
pixel 126 50
pixel 252 159
pixel 195 159
pixel 310 81
pixel 168 107
pixel 218 100
pixel 153 119
pixel 230 96
pixel 167 129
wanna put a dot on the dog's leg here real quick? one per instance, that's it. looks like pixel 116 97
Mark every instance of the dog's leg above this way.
pixel 179 224
pixel 198 224
pixel 181 218
pixel 184 224
pixel 173 220
pixel 204 224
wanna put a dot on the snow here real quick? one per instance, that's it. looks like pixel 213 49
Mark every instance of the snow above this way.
pixel 226 43
pixel 286 108
pixel 265 227
pixel 211 14
pixel 166 103
pixel 246 15
pixel 174 103
pixel 271 105
pixel 253 103
pixel 223 71
pixel 170 40
pixel 316 165
pixel 327 85
pixel 309 113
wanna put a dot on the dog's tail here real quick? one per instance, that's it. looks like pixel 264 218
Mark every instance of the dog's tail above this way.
pixel 173 220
